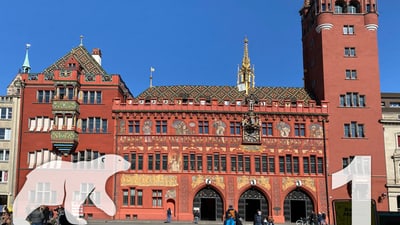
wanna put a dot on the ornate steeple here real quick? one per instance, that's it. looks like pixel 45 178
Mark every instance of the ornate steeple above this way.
pixel 245 78
pixel 26 68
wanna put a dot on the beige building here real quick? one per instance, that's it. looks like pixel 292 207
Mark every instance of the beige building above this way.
pixel 9 133
pixel 391 125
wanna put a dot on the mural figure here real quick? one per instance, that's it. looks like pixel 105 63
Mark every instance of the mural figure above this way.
pixel 284 129
pixel 316 131
pixel 147 130
pixel 180 127
pixel 219 126
pixel 174 162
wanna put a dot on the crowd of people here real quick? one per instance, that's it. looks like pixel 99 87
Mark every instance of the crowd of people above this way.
pixel 232 217
pixel 44 216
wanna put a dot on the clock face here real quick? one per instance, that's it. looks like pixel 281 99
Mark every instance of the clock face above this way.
pixel 251 134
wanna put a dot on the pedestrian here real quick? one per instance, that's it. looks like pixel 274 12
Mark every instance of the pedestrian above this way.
pixel 258 219
pixel 61 217
pixel 270 220
pixel 323 219
pixel 313 219
pixel 196 214
pixel 169 214
pixel 265 222
pixel 231 216
pixel 46 214
pixel 36 216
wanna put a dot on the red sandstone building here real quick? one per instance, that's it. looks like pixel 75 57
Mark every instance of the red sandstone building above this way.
pixel 208 147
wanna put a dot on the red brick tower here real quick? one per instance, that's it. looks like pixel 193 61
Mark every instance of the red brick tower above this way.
pixel 340 56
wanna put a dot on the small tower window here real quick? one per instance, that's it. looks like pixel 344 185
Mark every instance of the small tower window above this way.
pixel 338 9
pixel 351 9
pixel 340 6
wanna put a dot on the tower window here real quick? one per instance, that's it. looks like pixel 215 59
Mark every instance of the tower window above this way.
pixel 352 99
pixel 348 29
pixel 338 9
pixel 354 130
pixel 351 9
pixel 350 51
pixel 351 74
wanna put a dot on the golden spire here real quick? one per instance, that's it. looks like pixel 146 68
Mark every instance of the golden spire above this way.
pixel 246 58
pixel 245 79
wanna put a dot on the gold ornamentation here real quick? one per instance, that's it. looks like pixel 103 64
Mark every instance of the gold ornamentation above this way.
pixel 215 180
pixel 149 180
pixel 288 182
pixel 261 181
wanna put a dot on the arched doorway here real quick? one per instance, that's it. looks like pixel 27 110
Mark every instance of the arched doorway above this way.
pixel 209 202
pixel 297 204
pixel 250 201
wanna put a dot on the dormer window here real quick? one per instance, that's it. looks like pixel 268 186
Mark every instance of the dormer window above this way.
pixel 71 65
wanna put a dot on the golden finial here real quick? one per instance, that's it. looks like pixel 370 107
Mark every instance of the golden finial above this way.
pixel 246 58
pixel 246 73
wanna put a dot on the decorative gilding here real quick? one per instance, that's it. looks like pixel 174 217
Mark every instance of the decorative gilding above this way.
pixel 64 135
pixel 149 180
pixel 243 181
pixel 288 182
pixel 65 106
pixel 215 181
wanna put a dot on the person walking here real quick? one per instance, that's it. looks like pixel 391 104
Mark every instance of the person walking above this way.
pixel 258 219
pixel 36 217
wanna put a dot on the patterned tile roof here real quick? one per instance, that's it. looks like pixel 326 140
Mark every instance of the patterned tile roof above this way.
pixel 222 93
pixel 85 59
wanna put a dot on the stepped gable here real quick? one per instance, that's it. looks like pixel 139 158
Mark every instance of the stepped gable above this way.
pixel 223 93
pixel 85 59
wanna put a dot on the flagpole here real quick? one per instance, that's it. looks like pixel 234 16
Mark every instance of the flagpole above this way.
pixel 151 76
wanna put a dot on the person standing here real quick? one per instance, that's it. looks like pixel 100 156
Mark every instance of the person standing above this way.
pixel 169 214
pixel 231 216
pixel 196 215
pixel 36 217
pixel 258 219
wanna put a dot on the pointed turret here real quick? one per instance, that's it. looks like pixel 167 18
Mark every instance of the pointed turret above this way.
pixel 245 79
pixel 26 68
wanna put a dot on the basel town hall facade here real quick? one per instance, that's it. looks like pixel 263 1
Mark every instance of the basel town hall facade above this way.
pixel 208 147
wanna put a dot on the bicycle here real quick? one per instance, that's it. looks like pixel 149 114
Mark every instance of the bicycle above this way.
pixel 302 221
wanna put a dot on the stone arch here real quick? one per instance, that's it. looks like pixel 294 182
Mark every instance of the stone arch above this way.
pixel 250 201
pixel 298 203
pixel 210 204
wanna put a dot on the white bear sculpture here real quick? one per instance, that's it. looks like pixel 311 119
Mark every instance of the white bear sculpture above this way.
pixel 69 184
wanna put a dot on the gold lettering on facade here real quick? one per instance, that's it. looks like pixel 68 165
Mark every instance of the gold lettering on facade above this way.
pixel 149 180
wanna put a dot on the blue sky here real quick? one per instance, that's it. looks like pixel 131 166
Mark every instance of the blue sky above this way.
pixel 188 42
